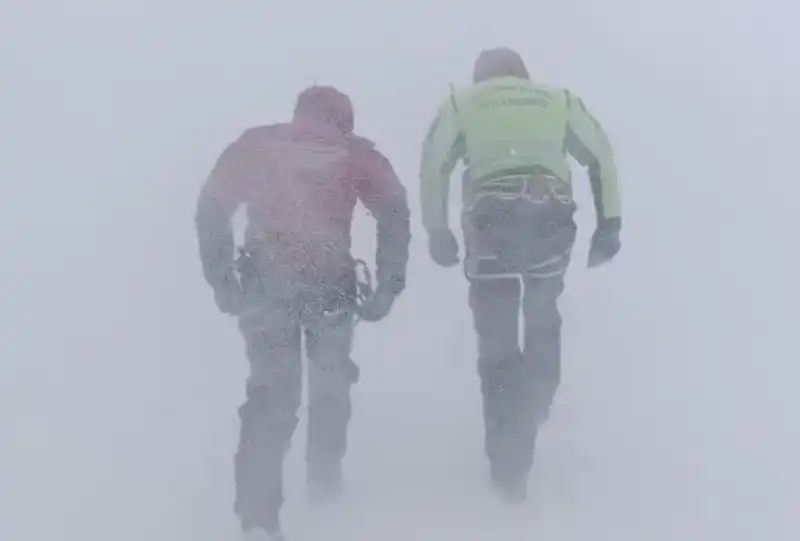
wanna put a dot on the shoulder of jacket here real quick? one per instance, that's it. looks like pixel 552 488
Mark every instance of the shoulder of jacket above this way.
pixel 573 98
pixel 253 137
pixel 358 142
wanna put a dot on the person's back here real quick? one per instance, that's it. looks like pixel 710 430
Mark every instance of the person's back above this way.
pixel 300 192
pixel 300 182
pixel 509 123
pixel 506 123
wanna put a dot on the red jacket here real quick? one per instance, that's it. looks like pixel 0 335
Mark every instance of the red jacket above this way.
pixel 301 181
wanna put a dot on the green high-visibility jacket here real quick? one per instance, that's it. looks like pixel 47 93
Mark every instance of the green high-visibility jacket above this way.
pixel 507 124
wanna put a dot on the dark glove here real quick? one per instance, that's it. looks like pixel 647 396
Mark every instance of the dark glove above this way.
pixel 228 294
pixel 443 247
pixel 378 305
pixel 605 242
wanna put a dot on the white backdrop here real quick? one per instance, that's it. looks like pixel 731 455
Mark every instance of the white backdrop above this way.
pixel 119 381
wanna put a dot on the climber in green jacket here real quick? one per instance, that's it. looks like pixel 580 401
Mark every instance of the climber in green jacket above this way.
pixel 513 135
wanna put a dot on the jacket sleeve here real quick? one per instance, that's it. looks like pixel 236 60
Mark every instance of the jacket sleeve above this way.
pixel 442 149
pixel 219 198
pixel 589 145
pixel 385 198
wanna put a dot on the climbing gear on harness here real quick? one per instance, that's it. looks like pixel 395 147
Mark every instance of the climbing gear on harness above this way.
pixel 364 287
pixel 364 291
pixel 538 189
pixel 241 262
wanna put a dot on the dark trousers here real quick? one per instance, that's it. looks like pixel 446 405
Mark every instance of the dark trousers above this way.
pixel 518 384
pixel 280 312
pixel 525 249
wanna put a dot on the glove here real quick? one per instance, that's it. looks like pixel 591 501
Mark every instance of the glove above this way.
pixel 443 247
pixel 378 306
pixel 228 294
pixel 605 242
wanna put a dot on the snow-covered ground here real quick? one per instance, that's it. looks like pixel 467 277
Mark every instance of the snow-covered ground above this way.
pixel 119 382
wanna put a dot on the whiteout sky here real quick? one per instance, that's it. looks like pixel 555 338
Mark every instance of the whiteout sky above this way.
pixel 119 381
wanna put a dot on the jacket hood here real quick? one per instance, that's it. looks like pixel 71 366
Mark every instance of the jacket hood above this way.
pixel 325 104
pixel 498 62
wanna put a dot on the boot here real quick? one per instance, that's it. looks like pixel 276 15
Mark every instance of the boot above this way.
pixel 324 480
pixel 511 488
pixel 259 534
pixel 261 529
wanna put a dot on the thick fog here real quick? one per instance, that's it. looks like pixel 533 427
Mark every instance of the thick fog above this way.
pixel 119 380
